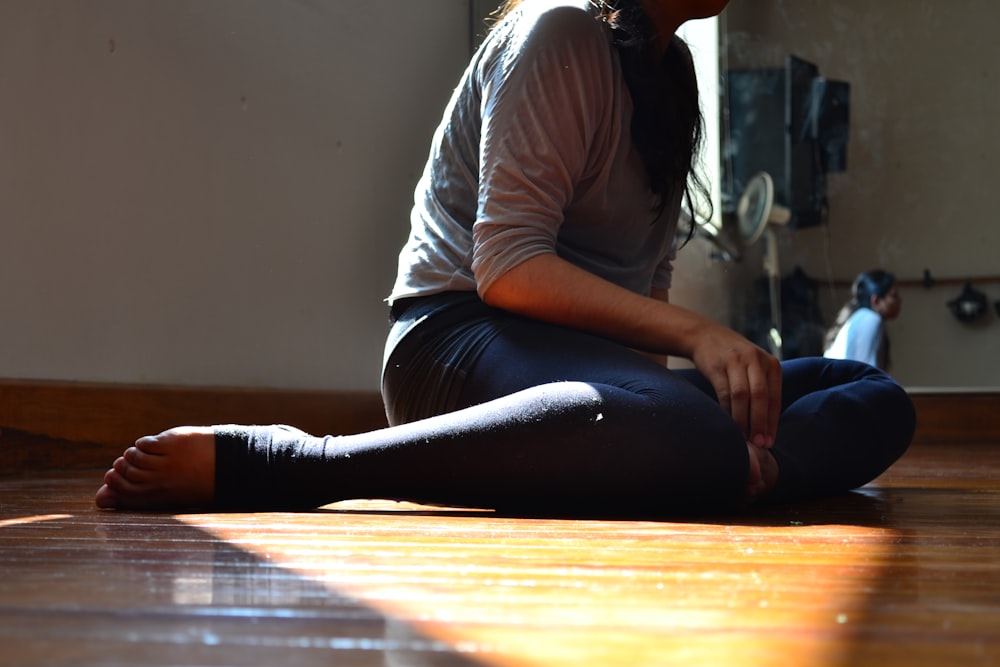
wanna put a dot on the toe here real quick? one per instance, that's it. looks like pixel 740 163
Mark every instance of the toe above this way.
pixel 133 473
pixel 150 443
pixel 106 498
pixel 142 460
pixel 115 481
pixel 120 466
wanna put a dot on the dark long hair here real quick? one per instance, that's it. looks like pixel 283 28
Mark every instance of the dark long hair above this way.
pixel 868 284
pixel 667 124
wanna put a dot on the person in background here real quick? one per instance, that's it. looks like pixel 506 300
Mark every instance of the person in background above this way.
pixel 525 368
pixel 859 331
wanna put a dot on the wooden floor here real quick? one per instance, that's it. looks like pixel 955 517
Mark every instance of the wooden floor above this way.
pixel 906 572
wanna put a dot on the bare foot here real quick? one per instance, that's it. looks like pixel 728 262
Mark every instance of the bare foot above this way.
pixel 172 470
pixel 763 472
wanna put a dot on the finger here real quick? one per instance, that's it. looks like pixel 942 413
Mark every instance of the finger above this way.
pixel 718 376
pixel 760 410
pixel 721 387
pixel 774 399
pixel 739 397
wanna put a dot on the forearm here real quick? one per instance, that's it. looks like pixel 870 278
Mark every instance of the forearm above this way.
pixel 550 289
pixel 663 295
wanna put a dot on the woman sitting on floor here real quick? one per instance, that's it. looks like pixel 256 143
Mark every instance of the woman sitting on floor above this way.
pixel 525 366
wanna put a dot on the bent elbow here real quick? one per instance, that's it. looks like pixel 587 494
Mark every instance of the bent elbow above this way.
pixel 495 294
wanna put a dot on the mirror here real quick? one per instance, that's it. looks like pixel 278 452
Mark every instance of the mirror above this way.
pixel 917 196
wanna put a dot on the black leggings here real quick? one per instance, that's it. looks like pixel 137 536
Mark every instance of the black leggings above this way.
pixel 493 410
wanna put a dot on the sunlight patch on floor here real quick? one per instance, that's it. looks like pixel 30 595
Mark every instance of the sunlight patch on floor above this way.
pixel 533 592
pixel 20 521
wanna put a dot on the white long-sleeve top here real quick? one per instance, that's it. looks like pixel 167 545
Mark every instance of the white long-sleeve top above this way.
pixel 859 338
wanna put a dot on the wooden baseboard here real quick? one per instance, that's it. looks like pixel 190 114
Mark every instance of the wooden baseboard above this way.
pixel 75 425
pixel 944 417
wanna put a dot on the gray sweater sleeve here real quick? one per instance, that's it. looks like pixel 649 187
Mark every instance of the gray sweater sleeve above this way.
pixel 546 96
pixel 534 155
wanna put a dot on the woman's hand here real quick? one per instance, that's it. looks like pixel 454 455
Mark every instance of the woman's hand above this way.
pixel 746 379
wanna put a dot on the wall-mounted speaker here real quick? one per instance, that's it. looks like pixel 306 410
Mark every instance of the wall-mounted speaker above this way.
pixel 791 123
pixel 831 122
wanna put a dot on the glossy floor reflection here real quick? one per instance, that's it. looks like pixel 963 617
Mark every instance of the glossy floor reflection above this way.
pixel 84 587
pixel 905 572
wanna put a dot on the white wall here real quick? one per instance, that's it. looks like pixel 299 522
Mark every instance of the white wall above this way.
pixel 211 193
pixel 214 193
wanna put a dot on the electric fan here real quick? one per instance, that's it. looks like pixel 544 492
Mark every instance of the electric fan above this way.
pixel 758 215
